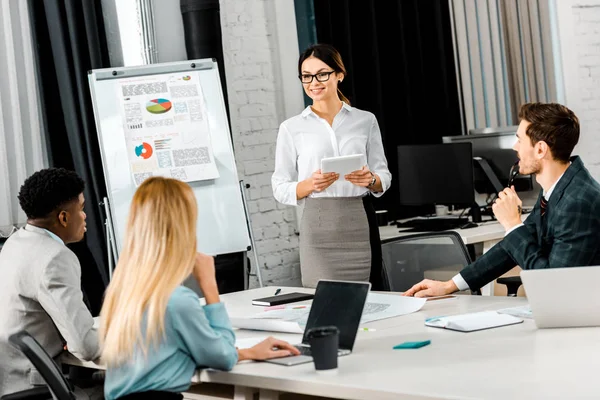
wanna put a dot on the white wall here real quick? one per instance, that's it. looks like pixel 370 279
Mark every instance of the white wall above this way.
pixel 260 51
pixel 579 31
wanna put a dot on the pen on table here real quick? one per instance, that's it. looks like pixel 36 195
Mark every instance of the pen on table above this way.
pixel 277 292
pixel 367 329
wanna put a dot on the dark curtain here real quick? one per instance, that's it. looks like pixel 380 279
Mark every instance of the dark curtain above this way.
pixel 400 62
pixel 70 41
pixel 203 37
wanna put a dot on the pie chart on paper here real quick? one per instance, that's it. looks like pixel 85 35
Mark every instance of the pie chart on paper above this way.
pixel 144 150
pixel 158 106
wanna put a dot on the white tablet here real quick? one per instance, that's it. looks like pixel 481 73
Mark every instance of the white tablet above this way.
pixel 343 165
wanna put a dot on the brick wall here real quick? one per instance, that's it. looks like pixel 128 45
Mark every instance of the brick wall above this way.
pixel 251 63
pixel 586 32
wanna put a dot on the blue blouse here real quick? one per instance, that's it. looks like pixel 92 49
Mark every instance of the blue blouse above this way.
pixel 195 336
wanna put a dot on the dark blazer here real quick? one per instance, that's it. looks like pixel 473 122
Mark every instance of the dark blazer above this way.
pixel 567 236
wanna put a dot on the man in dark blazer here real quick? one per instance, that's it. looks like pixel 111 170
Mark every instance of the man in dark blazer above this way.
pixel 563 229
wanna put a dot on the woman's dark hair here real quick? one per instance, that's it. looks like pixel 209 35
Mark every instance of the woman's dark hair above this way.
pixel 554 124
pixel 330 56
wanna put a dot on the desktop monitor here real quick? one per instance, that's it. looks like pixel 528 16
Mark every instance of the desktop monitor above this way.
pixel 436 174
pixel 497 149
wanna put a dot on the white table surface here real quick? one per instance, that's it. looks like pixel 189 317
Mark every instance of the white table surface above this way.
pixel 510 362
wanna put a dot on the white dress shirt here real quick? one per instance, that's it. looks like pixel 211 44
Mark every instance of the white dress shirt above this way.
pixel 459 281
pixel 305 139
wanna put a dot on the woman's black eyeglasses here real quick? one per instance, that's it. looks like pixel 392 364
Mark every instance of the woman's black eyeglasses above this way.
pixel 321 77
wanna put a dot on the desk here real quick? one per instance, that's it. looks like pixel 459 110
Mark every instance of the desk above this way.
pixel 488 233
pixel 517 361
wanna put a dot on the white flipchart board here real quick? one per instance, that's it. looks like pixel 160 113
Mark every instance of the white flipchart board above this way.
pixel 222 225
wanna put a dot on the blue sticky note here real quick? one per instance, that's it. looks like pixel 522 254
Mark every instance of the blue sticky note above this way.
pixel 412 345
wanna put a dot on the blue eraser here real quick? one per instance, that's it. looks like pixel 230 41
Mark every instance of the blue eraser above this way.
pixel 412 345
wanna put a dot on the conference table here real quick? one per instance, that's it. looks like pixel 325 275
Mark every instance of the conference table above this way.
pixel 510 362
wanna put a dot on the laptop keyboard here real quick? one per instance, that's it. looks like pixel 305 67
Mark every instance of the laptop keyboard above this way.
pixel 520 311
pixel 306 351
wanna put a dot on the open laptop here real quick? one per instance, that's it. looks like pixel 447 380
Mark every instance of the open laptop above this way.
pixel 337 303
pixel 563 297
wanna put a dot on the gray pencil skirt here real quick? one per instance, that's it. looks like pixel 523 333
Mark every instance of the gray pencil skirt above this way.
pixel 334 240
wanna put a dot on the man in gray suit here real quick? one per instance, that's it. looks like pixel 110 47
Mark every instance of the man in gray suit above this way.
pixel 40 278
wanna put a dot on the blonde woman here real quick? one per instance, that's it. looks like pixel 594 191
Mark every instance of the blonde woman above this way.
pixel 154 332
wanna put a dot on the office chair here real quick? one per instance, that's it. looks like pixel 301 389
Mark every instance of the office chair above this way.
pixel 512 284
pixel 58 385
pixel 428 255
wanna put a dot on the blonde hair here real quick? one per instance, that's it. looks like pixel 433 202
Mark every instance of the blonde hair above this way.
pixel 158 254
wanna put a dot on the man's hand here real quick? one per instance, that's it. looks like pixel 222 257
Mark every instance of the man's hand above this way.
pixel 267 349
pixel 429 288
pixel 507 208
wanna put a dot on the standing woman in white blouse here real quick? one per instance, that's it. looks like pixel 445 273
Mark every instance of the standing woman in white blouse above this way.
pixel 339 238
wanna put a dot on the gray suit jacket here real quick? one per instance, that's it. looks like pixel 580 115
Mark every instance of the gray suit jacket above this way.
pixel 40 292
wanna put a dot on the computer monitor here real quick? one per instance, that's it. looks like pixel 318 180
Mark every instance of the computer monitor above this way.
pixel 497 149
pixel 436 174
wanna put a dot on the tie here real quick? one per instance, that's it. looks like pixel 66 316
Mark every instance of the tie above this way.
pixel 543 205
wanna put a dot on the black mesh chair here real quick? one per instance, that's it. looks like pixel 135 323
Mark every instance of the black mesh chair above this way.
pixel 430 255
pixel 512 284
pixel 57 384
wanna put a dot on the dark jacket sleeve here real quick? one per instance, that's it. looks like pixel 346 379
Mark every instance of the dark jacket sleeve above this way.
pixel 497 260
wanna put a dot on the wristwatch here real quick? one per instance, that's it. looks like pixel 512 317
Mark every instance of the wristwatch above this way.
pixel 373 180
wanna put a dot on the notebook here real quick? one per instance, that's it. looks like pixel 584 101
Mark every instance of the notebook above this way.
pixel 473 321
pixel 282 299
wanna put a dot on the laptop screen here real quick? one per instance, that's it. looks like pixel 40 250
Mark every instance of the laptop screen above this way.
pixel 339 304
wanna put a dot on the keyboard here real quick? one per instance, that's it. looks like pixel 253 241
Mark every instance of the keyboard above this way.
pixel 306 351
pixel 433 224
pixel 520 311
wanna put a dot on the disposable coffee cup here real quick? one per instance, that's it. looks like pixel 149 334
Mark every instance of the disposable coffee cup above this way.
pixel 324 342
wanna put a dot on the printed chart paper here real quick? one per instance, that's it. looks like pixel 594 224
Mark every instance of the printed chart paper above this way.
pixel 166 128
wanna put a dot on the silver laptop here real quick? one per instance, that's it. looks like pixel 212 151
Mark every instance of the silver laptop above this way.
pixel 563 297
pixel 337 303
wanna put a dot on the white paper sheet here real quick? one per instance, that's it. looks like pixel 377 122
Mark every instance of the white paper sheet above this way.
pixel 166 127
pixel 383 306
pixel 293 320
pixel 272 325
